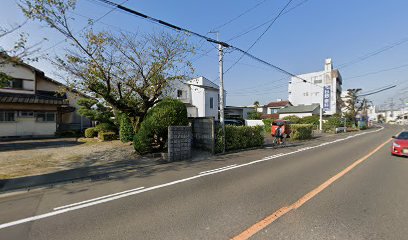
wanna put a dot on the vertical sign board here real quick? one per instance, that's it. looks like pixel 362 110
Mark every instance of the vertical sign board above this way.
pixel 326 98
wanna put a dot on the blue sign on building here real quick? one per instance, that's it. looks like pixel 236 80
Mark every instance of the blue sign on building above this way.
pixel 326 98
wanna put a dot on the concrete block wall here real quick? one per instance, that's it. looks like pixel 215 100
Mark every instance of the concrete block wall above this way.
pixel 179 143
pixel 203 130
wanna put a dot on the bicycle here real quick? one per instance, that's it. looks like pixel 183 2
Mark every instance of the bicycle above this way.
pixel 278 141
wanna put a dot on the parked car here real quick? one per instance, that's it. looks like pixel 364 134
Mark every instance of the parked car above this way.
pixel 234 122
pixel 400 144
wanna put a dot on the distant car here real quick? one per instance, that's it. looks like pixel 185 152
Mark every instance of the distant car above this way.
pixel 234 122
pixel 400 144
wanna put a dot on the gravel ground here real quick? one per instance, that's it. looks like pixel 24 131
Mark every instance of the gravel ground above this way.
pixel 34 157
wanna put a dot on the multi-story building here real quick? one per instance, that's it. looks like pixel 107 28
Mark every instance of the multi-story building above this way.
pixel 200 95
pixel 323 88
pixel 31 105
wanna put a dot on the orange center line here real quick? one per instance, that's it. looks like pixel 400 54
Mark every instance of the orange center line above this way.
pixel 282 211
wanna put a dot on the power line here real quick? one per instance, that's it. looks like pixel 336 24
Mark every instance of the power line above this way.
pixel 255 27
pixel 82 29
pixel 374 53
pixel 211 40
pixel 240 15
pixel 379 71
pixel 384 89
pixel 260 36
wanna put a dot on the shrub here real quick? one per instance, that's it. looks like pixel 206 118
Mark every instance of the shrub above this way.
pixel 268 124
pixel 153 133
pixel 142 141
pixel 254 115
pixel 240 137
pixel 314 120
pixel 107 136
pixel 126 129
pixel 332 123
pixel 105 127
pixel 90 132
pixel 293 119
pixel 301 131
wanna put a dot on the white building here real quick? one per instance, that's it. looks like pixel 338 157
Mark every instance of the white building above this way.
pixel 200 95
pixel 30 104
pixel 238 112
pixel 323 87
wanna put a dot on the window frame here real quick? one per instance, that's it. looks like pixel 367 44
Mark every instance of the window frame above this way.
pixel 211 103
pixel 45 118
pixel 3 118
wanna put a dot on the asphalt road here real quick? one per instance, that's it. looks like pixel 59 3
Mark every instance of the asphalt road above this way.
pixel 177 202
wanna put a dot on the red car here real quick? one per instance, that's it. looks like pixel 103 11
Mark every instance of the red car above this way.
pixel 400 144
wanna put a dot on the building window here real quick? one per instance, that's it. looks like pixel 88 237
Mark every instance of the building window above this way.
pixel 15 84
pixel 179 93
pixel 211 102
pixel 317 80
pixel 26 114
pixel 45 117
pixel 7 116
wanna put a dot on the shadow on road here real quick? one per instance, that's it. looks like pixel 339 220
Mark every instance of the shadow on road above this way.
pixel 37 144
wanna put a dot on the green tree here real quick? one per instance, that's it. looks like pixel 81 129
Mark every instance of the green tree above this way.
pixel 130 72
pixel 351 104
pixel 95 110
pixel 254 115
pixel 153 133
pixel 126 131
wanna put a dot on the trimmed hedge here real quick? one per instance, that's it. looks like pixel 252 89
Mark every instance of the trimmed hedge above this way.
pixel 153 133
pixel 240 137
pixel 105 127
pixel 293 119
pixel 107 136
pixel 332 123
pixel 268 125
pixel 91 132
pixel 301 131
pixel 126 129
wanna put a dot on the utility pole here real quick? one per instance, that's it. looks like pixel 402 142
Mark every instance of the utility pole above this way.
pixel 221 73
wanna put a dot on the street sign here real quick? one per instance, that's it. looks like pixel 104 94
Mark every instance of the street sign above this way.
pixel 326 98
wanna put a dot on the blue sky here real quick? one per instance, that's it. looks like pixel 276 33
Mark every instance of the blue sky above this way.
pixel 299 41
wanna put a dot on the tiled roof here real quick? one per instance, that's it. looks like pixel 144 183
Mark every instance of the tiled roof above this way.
pixel 299 109
pixel 278 104
pixel 272 116
pixel 41 97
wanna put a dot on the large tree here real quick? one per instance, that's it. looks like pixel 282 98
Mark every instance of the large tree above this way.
pixel 355 104
pixel 130 72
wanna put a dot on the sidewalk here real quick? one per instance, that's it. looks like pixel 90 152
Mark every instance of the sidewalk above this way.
pixel 147 166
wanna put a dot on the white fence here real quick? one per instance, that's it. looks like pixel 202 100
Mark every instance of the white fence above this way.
pixel 252 123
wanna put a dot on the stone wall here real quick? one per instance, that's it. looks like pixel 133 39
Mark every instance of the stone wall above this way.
pixel 179 143
pixel 203 130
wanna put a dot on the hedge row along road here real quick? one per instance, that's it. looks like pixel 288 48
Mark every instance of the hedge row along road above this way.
pixel 235 196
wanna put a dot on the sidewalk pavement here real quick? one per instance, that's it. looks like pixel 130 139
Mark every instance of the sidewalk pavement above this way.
pixel 142 167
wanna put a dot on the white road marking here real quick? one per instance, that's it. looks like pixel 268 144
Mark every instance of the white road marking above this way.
pixel 98 198
pixel 213 170
pixel 108 199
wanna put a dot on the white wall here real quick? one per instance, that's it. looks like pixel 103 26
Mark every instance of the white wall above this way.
pixel 211 112
pixel 252 123
pixel 20 72
pixel 307 93
pixel 27 127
